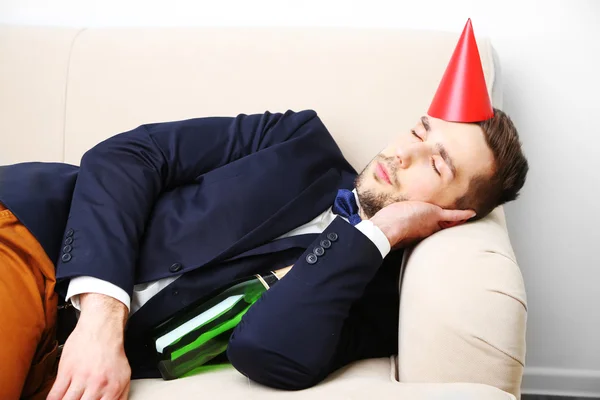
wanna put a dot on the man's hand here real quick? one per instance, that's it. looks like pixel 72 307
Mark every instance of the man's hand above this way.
pixel 93 364
pixel 406 222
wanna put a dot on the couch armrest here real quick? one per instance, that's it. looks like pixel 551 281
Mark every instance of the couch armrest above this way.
pixel 463 308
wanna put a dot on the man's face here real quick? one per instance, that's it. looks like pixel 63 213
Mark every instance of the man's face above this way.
pixel 432 162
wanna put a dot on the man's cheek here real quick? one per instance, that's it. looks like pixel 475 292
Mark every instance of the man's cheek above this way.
pixel 423 190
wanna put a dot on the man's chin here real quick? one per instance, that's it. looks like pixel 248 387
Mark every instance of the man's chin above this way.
pixel 371 201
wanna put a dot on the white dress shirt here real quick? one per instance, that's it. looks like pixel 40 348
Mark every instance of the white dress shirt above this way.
pixel 145 291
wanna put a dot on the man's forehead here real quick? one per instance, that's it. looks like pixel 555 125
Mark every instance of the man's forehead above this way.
pixel 440 123
pixel 458 130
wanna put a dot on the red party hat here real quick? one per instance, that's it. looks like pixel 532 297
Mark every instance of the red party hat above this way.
pixel 462 95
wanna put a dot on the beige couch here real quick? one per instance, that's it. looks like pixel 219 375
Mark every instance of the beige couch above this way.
pixel 463 307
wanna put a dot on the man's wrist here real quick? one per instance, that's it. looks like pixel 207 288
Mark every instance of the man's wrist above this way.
pixel 103 309
pixel 372 231
pixel 391 232
pixel 89 284
pixel 384 228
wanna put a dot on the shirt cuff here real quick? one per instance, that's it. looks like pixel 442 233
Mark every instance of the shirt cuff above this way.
pixel 89 284
pixel 370 230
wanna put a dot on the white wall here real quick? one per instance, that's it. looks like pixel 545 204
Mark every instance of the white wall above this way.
pixel 550 54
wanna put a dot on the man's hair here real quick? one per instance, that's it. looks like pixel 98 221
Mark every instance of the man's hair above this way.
pixel 509 172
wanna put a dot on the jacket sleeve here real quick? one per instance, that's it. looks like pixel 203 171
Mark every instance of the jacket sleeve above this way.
pixel 321 315
pixel 121 178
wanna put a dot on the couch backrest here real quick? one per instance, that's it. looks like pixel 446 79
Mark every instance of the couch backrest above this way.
pixel 63 91
pixel 34 65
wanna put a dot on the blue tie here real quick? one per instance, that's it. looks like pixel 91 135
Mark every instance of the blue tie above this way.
pixel 345 206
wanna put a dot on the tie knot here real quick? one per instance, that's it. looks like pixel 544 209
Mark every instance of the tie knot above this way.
pixel 345 206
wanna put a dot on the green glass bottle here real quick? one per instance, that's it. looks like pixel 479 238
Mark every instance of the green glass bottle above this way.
pixel 201 331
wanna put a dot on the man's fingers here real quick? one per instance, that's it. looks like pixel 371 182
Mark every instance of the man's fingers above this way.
pixel 457 215
pixel 91 395
pixel 73 393
pixel 125 394
pixel 117 395
pixel 59 388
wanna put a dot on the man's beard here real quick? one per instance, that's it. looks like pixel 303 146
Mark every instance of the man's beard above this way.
pixel 371 201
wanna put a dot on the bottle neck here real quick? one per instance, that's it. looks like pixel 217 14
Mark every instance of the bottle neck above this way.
pixel 280 273
pixel 270 278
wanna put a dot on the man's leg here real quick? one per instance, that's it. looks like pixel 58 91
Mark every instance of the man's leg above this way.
pixel 27 313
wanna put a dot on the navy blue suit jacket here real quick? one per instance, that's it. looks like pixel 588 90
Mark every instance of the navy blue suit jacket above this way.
pixel 205 198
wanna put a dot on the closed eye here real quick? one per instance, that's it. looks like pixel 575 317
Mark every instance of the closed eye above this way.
pixel 415 135
pixel 434 167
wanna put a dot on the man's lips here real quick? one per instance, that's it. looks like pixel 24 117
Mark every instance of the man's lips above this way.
pixel 382 173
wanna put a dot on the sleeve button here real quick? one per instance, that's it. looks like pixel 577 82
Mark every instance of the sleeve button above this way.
pixel 70 232
pixel 319 251
pixel 66 257
pixel 326 243
pixel 332 236
pixel 176 267
pixel 67 248
pixel 69 240
pixel 311 258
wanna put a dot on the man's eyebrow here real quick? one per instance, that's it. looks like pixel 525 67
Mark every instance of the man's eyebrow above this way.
pixel 444 154
pixel 425 122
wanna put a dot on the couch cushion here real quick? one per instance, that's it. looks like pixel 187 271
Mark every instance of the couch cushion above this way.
pixel 361 380
pixel 463 308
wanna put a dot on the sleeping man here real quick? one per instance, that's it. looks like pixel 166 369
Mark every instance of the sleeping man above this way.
pixel 157 217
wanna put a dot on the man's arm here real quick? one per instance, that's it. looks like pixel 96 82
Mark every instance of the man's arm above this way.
pixel 118 183
pixel 301 330
pixel 121 178
pixel 290 338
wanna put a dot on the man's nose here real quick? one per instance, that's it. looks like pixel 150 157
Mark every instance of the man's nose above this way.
pixel 405 155
pixel 409 154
